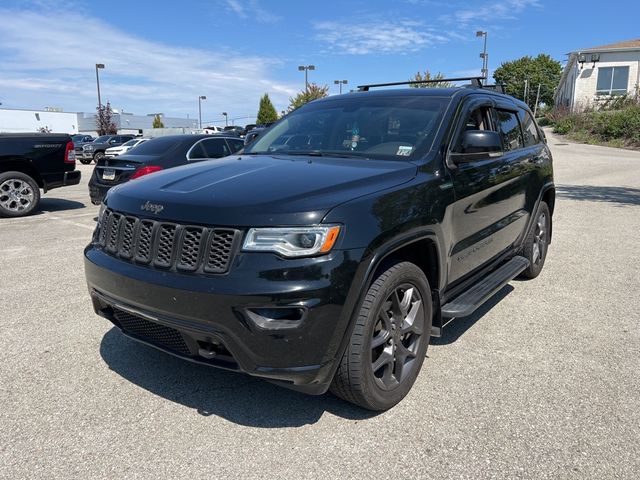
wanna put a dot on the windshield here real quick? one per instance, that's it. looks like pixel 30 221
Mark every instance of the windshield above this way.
pixel 396 128
pixel 102 139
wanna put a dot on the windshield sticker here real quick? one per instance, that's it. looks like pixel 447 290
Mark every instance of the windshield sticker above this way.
pixel 404 150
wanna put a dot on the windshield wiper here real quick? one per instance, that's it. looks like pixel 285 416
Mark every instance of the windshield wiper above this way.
pixel 320 153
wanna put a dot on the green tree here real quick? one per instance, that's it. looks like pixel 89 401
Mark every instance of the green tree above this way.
pixel 314 92
pixel 541 70
pixel 267 112
pixel 157 122
pixel 420 76
pixel 104 120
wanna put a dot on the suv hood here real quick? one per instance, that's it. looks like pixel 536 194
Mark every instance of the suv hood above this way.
pixel 257 190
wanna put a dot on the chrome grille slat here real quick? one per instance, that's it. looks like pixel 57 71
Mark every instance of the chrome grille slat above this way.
pixel 187 248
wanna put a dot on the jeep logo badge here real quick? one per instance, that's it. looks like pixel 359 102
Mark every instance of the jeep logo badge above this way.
pixel 152 207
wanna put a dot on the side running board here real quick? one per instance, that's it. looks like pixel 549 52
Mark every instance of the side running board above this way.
pixel 467 302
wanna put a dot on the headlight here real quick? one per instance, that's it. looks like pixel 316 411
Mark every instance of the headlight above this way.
pixel 292 241
pixel 103 207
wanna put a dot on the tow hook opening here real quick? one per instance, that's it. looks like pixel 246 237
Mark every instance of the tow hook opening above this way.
pixel 210 349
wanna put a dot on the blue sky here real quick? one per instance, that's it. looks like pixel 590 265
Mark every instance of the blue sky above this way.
pixel 161 56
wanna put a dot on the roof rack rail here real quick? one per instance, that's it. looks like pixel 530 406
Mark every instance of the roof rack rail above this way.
pixel 475 82
pixel 496 87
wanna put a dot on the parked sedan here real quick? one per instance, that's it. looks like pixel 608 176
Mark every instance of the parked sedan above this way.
pixel 125 147
pixel 158 154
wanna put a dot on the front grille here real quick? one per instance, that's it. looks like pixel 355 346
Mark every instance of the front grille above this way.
pixel 188 248
pixel 154 333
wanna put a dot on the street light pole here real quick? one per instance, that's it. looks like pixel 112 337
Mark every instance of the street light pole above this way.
pixel 226 119
pixel 484 56
pixel 99 66
pixel 200 98
pixel 306 69
pixel 340 82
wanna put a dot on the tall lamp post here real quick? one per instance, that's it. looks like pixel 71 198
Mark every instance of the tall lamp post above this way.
pixel 340 82
pixel 484 56
pixel 200 98
pixel 226 119
pixel 99 66
pixel 305 69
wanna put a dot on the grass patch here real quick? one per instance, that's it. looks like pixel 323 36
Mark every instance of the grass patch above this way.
pixel 616 126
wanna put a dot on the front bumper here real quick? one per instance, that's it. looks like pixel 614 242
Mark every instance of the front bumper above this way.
pixel 212 319
pixel 87 155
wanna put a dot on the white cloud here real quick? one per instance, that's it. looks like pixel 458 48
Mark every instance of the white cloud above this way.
pixel 377 36
pixel 499 10
pixel 250 9
pixel 44 62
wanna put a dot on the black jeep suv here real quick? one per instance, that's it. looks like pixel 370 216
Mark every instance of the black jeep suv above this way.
pixel 329 259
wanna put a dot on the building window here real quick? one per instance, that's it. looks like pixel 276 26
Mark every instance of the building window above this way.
pixel 612 81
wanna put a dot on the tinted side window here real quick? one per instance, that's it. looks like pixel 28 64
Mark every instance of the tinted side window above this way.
pixel 197 152
pixel 216 148
pixel 510 130
pixel 235 145
pixel 531 135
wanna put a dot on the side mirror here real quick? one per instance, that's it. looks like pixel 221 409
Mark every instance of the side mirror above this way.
pixel 478 145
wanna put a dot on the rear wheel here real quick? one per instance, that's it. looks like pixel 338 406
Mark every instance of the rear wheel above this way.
pixel 19 194
pixel 537 242
pixel 389 341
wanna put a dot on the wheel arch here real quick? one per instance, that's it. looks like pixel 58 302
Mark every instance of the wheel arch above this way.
pixel 22 166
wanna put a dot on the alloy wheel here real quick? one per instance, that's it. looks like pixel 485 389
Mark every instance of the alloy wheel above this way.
pixel 396 336
pixel 16 195
pixel 540 238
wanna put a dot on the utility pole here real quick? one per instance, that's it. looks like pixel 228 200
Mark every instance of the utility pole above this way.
pixel 200 98
pixel 306 69
pixel 526 90
pixel 99 66
pixel 340 82
pixel 484 56
pixel 535 108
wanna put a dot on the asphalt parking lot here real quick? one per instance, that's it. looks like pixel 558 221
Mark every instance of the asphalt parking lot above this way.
pixel 542 382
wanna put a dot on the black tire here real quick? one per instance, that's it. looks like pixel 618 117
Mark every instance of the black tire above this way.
pixel 19 194
pixel 85 161
pixel 357 379
pixel 98 156
pixel 536 245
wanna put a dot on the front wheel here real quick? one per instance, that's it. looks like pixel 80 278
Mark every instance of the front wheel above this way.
pixel 85 161
pixel 98 156
pixel 19 194
pixel 389 341
pixel 537 242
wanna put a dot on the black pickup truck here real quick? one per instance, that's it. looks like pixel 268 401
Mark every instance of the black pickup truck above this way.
pixel 329 251
pixel 30 162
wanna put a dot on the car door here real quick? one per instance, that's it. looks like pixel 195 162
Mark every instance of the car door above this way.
pixel 487 210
